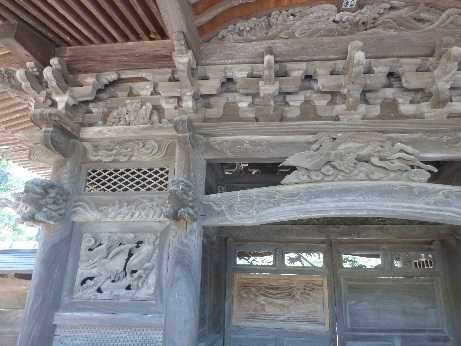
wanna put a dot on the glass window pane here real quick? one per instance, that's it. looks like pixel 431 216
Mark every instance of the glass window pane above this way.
pixel 413 260
pixel 309 259
pixel 361 261
pixel 255 258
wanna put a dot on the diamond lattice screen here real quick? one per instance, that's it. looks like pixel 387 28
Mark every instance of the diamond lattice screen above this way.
pixel 127 179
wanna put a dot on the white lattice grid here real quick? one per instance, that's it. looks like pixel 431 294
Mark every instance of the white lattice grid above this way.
pixel 127 179
pixel 103 336
pixel 349 3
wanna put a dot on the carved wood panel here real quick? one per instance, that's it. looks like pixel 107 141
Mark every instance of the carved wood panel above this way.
pixel 117 266
pixel 393 304
pixel 275 301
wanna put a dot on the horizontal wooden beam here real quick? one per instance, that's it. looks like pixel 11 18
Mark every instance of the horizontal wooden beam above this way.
pixel 399 200
pixel 341 229
pixel 26 43
pixel 118 56
pixel 402 45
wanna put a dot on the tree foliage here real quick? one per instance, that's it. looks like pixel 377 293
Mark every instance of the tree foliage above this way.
pixel 10 230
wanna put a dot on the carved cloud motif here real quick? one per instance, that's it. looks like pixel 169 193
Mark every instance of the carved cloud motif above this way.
pixel 324 21
pixel 357 157
pixel 139 209
pixel 127 151
pixel 117 266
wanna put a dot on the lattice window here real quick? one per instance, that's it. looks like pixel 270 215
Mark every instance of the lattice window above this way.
pixel 414 260
pixel 127 179
pixel 255 258
pixel 363 260
pixel 349 3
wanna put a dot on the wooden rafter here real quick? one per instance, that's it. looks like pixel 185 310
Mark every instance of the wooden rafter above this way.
pixel 88 22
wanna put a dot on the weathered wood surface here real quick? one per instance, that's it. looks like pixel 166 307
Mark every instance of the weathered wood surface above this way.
pixel 393 304
pixel 404 45
pixel 211 16
pixel 361 232
pixel 118 56
pixel 414 201
pixel 13 293
pixel 273 301
pixel 178 17
pixel 312 127
pixel 49 272
pixel 452 250
pixel 26 44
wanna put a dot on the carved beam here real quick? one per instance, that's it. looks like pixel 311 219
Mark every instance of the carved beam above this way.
pixel 128 150
pixel 313 127
pixel 25 43
pixel 55 143
pixel 428 146
pixel 52 117
pixel 413 201
pixel 375 46
pixel 143 207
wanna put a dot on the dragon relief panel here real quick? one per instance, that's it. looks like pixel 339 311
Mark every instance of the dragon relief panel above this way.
pixel 325 21
pixel 117 266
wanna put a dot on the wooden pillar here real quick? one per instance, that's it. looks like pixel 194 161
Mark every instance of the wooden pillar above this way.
pixel 178 17
pixel 51 263
pixel 185 249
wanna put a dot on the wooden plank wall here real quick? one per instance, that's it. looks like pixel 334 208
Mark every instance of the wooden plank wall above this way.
pixel 13 293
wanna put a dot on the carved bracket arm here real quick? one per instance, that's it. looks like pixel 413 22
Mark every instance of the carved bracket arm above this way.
pixel 182 201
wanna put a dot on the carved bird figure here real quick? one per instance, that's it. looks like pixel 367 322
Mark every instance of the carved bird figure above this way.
pixel 113 266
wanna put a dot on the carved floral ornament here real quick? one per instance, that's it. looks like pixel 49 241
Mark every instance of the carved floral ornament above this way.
pixel 324 21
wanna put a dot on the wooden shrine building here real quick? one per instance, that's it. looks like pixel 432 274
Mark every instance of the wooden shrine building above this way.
pixel 237 172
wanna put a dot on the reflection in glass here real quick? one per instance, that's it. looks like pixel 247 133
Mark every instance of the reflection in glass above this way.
pixel 361 261
pixel 312 259
pixel 255 258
